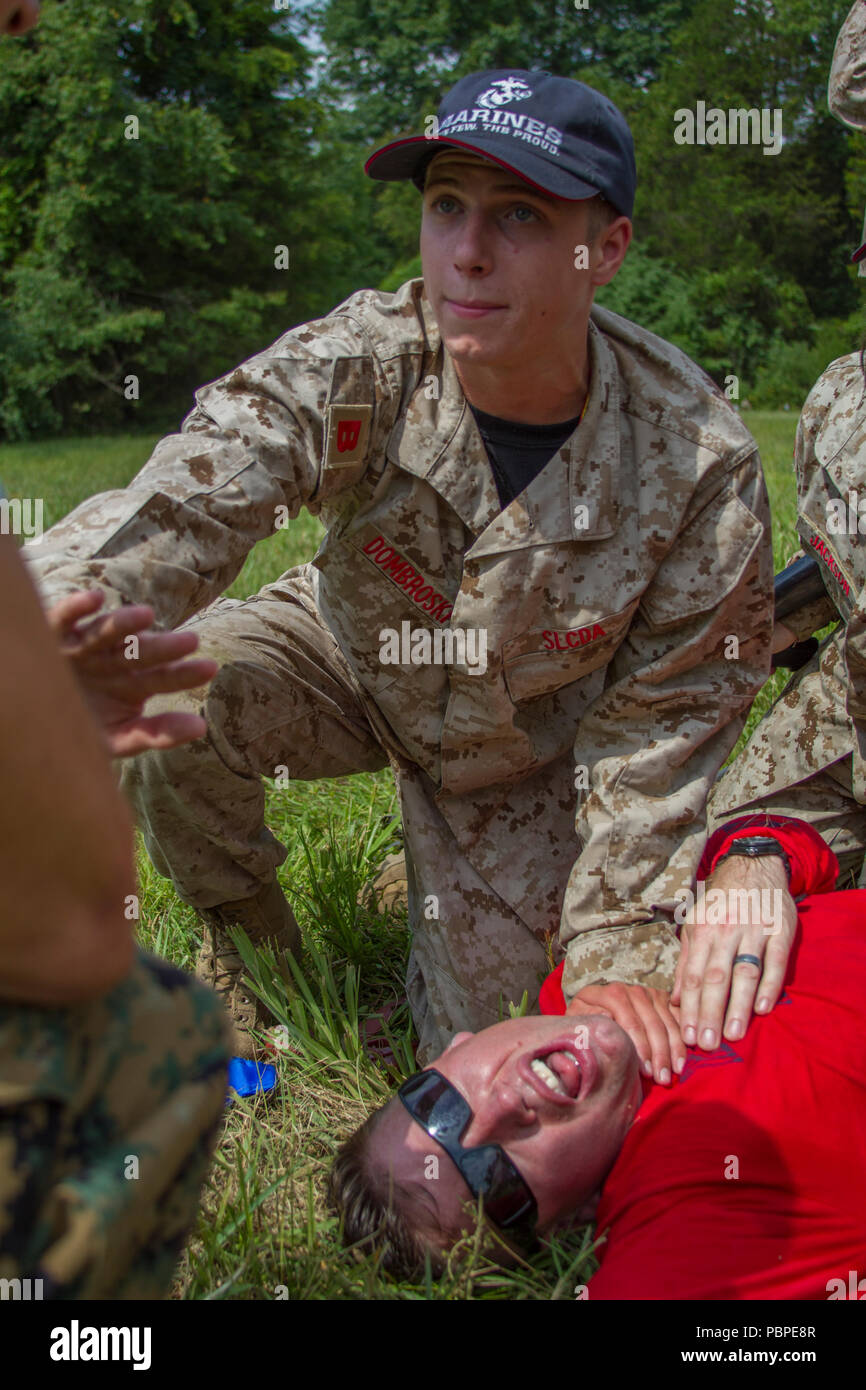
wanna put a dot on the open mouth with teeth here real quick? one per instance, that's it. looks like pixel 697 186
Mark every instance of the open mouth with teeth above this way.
pixel 560 1072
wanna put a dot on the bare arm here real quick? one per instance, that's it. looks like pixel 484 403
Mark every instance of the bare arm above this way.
pixel 65 832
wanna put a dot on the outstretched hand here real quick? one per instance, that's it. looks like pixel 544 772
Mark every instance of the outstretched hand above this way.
pixel 119 665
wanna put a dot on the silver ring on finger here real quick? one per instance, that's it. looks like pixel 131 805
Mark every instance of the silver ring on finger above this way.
pixel 753 960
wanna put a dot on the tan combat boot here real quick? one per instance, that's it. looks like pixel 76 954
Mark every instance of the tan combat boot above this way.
pixel 267 920
pixel 389 890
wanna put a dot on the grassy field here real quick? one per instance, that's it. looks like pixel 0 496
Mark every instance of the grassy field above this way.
pixel 263 1230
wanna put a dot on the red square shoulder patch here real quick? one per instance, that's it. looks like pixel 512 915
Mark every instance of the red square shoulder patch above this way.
pixel 347 434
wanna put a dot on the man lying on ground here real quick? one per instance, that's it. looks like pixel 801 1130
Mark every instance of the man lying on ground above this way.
pixel 742 1180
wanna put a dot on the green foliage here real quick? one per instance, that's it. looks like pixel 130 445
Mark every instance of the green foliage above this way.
pixel 407 270
pixel 65 471
pixel 152 159
pixel 154 257
pixel 756 246
pixel 717 317
pixel 656 295
pixel 392 59
pixel 520 1010
pixel 731 208
pixel 792 366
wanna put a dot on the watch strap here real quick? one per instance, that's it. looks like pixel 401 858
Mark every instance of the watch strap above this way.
pixel 756 847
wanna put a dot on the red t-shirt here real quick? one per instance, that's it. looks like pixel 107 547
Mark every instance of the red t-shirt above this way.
pixel 746 1179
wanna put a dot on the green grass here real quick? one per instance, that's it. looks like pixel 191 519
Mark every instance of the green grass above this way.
pixel 774 431
pixel 264 1230
pixel 63 472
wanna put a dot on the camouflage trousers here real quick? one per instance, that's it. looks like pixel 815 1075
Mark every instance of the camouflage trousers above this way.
pixel 798 762
pixel 108 1113
pixel 284 702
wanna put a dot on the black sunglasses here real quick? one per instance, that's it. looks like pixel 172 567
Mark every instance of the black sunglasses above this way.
pixel 486 1169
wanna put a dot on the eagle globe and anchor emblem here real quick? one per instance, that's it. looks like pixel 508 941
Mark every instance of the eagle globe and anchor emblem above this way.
pixel 505 90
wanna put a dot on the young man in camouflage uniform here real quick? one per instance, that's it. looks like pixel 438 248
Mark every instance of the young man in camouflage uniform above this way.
pixel 806 758
pixel 543 597
pixel 846 90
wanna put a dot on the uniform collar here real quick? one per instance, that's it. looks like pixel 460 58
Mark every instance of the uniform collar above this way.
pixel 437 438
pixel 573 498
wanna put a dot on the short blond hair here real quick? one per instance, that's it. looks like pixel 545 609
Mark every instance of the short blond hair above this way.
pixel 599 215
pixel 389 1218
pixel 378 1213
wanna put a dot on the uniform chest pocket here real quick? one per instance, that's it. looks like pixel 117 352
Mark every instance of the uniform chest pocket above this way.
pixel 544 660
pixel 706 563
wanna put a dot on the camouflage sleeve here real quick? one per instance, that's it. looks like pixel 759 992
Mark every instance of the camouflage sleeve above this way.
pixel 287 429
pixel 833 409
pixel 809 620
pixel 854 657
pixel 693 660
pixel 846 89
pixel 822 402
pixel 854 653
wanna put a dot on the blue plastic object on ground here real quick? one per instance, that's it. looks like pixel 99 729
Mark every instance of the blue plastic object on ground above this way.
pixel 248 1077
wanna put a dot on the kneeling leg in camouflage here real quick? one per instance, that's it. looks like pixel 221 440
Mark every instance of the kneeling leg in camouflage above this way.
pixel 108 1114
pixel 284 698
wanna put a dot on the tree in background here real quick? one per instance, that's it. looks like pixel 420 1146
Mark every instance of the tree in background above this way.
pixel 765 239
pixel 392 59
pixel 389 62
pixel 155 257
pixel 153 156
pixel 739 257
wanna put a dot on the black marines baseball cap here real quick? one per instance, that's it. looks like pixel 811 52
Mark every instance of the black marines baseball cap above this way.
pixel 557 134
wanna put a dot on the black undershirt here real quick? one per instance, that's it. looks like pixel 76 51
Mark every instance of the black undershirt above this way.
pixel 518 452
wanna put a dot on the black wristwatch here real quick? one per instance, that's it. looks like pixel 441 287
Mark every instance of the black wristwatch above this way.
pixel 755 847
